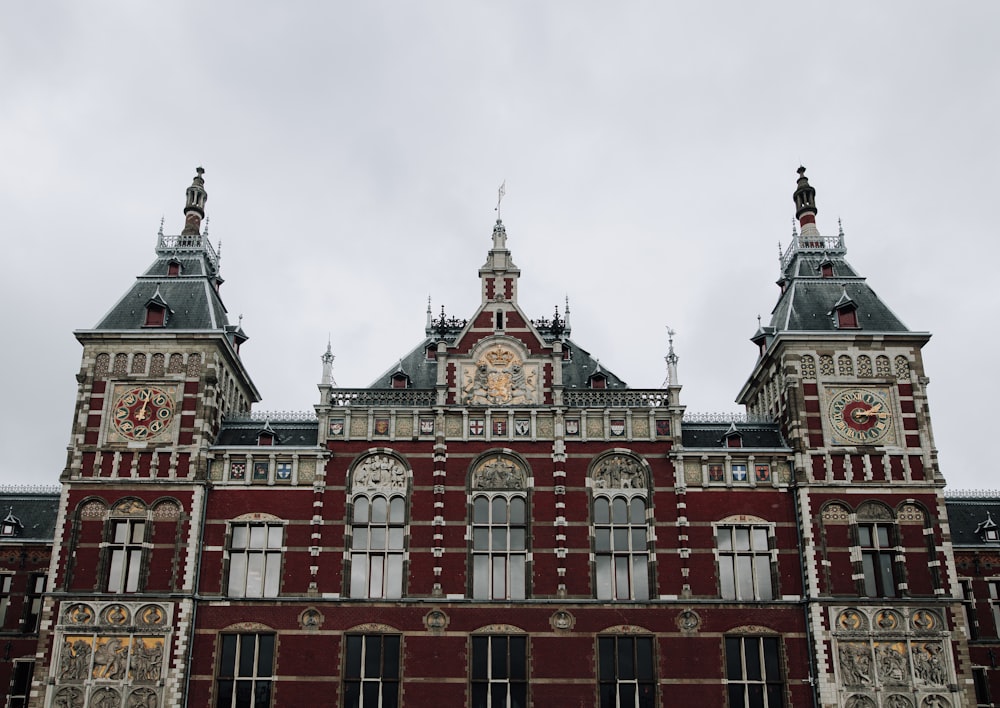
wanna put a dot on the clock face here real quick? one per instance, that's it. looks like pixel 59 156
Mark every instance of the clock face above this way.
pixel 861 416
pixel 143 412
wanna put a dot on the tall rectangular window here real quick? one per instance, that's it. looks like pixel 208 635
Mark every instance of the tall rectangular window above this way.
pixel 877 559
pixel 246 666
pixel 33 603
pixel 5 584
pixel 255 560
pixel 20 683
pixel 499 547
pixel 125 552
pixel 626 674
pixel 621 550
pixel 378 535
pixel 745 562
pixel 499 671
pixel 969 608
pixel 371 671
pixel 982 683
pixel 753 672
pixel 993 586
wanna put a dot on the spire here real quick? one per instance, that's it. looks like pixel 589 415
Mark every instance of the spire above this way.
pixel 194 210
pixel 429 327
pixel 327 360
pixel 566 326
pixel 499 274
pixel 805 205
pixel 671 359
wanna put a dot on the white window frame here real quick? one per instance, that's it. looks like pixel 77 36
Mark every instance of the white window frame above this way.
pixel 622 560
pixel 255 555
pixel 125 554
pixel 754 563
pixel 499 548
pixel 377 549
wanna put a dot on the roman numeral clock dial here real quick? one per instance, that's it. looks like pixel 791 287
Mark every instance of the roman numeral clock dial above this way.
pixel 860 416
pixel 143 413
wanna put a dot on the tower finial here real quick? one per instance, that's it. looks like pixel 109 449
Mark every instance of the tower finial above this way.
pixel 194 210
pixel 805 205
pixel 162 221
pixel 327 360
pixel 671 359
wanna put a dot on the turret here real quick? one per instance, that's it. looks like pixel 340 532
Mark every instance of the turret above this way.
pixel 194 210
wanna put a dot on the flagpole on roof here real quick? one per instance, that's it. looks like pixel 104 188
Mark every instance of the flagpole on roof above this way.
pixel 500 192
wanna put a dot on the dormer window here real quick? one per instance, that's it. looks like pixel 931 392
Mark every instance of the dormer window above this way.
pixel 567 353
pixel 265 439
pixel 847 317
pixel 431 352
pixel 156 315
pixel 598 381
pixel 826 269
pixel 988 530
pixel 733 437
pixel 173 269
pixel 11 525
pixel 400 380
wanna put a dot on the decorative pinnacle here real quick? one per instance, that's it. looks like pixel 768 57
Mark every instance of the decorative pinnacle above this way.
pixel 671 358
pixel 327 360
pixel 162 220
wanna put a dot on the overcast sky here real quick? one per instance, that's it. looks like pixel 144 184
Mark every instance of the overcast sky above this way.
pixel 353 152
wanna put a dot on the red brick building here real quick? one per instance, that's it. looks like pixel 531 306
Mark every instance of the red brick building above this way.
pixel 499 520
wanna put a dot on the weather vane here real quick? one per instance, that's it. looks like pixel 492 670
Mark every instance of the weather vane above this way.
pixel 500 193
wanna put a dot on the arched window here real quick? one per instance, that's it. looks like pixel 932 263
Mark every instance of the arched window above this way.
pixel 499 528
pixel 621 534
pixel 378 527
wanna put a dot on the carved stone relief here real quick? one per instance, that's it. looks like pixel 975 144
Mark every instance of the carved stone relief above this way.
pixel 499 472
pixel 619 472
pixel 640 427
pixel 379 472
pixel 499 377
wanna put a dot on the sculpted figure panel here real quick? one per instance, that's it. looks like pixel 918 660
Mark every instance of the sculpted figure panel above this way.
pixel 499 472
pixel 619 472
pixel 379 472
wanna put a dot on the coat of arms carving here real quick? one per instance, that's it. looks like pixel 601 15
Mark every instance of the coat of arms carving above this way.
pixel 499 377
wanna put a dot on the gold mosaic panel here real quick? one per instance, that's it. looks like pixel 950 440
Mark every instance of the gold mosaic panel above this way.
pixel 692 473
pixel 217 470
pixel 640 427
pixel 453 426
pixel 307 470
pixel 595 427
pixel 359 428
pixel 784 472
pixel 404 427
pixel 545 427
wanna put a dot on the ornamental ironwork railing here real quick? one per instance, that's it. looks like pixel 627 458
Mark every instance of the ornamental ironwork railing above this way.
pixel 272 416
pixel 192 242
pixel 610 398
pixel 832 244
pixel 30 489
pixel 726 418
pixel 383 397
pixel 972 493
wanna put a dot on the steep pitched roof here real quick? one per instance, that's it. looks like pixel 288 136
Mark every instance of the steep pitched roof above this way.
pixel 966 515
pixel 36 510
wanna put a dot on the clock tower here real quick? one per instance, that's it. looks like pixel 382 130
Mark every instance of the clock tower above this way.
pixel 159 372
pixel 844 378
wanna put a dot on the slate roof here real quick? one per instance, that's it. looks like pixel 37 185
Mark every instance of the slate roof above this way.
pixel 966 513
pixel 36 511
pixel 809 301
pixel 193 300
pixel 289 433
pixel 713 435
pixel 423 371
